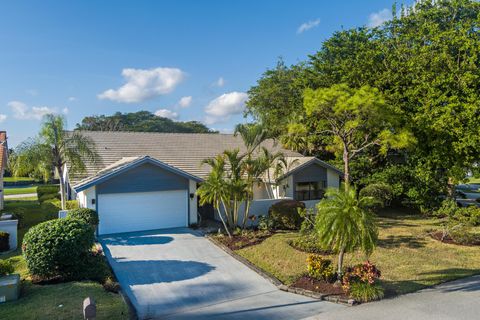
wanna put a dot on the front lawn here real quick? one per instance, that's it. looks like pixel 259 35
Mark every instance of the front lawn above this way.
pixel 56 301
pixel 20 190
pixel 407 256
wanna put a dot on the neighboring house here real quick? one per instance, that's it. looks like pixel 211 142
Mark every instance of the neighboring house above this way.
pixel 3 162
pixel 145 181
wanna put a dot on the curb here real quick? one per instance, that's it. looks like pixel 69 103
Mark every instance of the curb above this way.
pixel 278 283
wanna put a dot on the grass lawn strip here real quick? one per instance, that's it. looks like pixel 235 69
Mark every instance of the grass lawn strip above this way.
pixel 407 256
pixel 20 190
pixel 57 301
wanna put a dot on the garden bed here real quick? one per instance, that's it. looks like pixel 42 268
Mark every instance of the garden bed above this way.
pixel 243 240
pixel 473 241
pixel 330 289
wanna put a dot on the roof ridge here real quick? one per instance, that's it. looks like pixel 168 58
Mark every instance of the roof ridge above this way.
pixel 154 133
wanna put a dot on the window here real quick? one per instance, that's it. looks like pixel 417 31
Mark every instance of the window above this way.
pixel 310 190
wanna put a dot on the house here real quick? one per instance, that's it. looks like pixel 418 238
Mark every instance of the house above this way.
pixel 3 162
pixel 145 181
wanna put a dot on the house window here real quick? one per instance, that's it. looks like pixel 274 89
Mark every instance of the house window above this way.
pixel 310 190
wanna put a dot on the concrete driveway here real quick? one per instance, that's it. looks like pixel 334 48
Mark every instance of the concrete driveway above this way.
pixel 178 274
pixel 456 300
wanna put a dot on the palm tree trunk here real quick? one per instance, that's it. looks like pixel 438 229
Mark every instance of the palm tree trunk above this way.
pixel 346 168
pixel 62 187
pixel 227 214
pixel 340 264
pixel 247 211
pixel 223 220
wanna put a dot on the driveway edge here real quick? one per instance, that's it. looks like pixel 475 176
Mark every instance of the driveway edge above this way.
pixel 278 283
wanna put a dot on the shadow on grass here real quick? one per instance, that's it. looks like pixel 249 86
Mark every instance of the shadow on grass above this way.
pixel 452 279
pixel 393 241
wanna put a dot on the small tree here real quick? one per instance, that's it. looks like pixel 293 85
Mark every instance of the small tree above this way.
pixel 344 224
pixel 53 149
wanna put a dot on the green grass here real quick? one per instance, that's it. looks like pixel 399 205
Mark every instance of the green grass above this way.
pixel 408 258
pixel 19 190
pixel 18 179
pixel 58 301
pixel 474 180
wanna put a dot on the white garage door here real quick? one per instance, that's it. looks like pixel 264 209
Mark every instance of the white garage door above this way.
pixel 126 212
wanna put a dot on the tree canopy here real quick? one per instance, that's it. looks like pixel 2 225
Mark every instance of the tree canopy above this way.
pixel 141 121
pixel 425 63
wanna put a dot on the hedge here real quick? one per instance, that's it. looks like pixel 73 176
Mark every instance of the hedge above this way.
pixel 285 215
pixel 58 248
pixel 86 215
pixel 48 192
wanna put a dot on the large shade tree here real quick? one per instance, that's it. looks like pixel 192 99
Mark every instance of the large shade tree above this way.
pixel 53 149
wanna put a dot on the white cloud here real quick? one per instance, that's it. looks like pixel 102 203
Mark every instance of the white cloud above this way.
pixel 185 102
pixel 378 18
pixel 308 25
pixel 65 111
pixel 221 108
pixel 71 99
pixel 22 111
pixel 142 84
pixel 3 117
pixel 219 83
pixel 165 113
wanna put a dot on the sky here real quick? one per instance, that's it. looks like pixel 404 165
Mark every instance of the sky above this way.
pixel 185 60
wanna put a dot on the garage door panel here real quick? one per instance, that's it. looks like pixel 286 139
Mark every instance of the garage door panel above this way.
pixel 126 212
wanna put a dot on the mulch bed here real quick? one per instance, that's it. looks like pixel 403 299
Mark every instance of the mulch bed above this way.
pixel 437 235
pixel 307 283
pixel 237 242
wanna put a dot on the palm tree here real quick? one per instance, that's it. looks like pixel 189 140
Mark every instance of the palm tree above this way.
pixel 213 190
pixel 53 149
pixel 344 223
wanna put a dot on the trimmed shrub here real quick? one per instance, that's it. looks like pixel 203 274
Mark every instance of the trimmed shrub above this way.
pixel 320 268
pixel 265 223
pixel 381 192
pixel 365 292
pixel 285 216
pixel 4 241
pixel 86 215
pixel 48 192
pixel 58 248
pixel 308 243
pixel 69 204
pixel 6 268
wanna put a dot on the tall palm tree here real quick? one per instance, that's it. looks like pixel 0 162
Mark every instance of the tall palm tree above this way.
pixel 213 190
pixel 344 223
pixel 53 149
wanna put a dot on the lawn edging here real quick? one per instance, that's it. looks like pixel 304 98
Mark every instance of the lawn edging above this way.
pixel 278 283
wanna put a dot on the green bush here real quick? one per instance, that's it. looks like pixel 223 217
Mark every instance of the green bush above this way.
pixel 308 243
pixel 48 192
pixel 69 204
pixel 111 285
pixel 381 192
pixel 320 268
pixel 265 223
pixel 58 248
pixel 6 267
pixel 365 292
pixel 285 216
pixel 86 215
pixel 4 241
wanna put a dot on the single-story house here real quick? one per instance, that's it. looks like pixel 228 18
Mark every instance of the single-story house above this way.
pixel 145 181
pixel 3 162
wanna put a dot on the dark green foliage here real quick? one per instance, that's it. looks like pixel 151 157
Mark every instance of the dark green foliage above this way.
pixel 86 215
pixel 111 285
pixel 381 192
pixel 365 292
pixel 58 248
pixel 141 121
pixel 320 268
pixel 6 267
pixel 4 241
pixel 265 223
pixel 49 192
pixel 285 216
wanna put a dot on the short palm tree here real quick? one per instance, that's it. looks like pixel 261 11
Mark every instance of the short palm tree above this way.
pixel 53 149
pixel 344 223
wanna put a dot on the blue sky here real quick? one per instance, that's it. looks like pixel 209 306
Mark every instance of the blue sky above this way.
pixel 188 60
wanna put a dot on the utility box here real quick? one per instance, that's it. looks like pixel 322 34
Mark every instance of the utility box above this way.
pixel 89 309
pixel 9 287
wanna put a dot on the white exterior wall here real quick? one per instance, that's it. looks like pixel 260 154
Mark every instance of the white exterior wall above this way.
pixel 193 202
pixel 85 198
pixel 333 179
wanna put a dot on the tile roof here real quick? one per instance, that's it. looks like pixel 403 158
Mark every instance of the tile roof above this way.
pixel 184 151
pixel 3 150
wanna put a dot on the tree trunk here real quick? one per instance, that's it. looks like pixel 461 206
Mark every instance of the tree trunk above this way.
pixel 247 210
pixel 227 214
pixel 62 187
pixel 223 220
pixel 339 267
pixel 346 168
